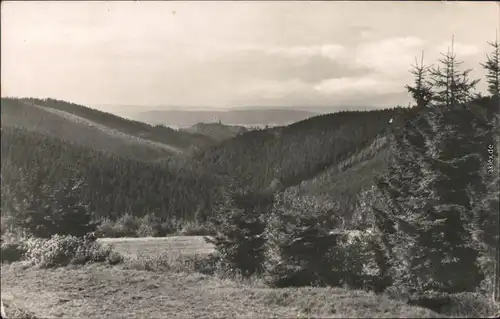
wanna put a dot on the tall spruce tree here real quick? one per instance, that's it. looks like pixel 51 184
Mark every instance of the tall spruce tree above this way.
pixel 426 215
pixel 451 86
pixel 421 91
pixel 492 66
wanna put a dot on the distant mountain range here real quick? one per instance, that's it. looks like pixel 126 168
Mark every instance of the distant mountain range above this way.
pixel 248 116
pixel 244 117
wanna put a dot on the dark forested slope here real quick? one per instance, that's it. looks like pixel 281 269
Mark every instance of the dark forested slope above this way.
pixel 296 152
pixel 114 185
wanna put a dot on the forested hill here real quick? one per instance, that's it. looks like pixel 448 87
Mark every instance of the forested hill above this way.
pixel 183 141
pixel 77 130
pixel 217 131
pixel 113 185
pixel 298 152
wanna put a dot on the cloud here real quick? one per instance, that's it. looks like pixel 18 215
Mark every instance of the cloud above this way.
pixel 301 53
pixel 354 85
pixel 461 49
pixel 272 89
pixel 389 56
pixel 363 31
pixel 331 51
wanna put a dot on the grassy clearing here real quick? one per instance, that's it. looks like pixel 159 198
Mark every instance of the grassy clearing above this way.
pixel 104 291
pixel 154 246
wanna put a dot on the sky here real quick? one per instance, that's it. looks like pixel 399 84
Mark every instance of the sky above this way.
pixel 223 54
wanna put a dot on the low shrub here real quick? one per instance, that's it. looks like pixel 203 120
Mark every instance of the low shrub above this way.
pixel 126 226
pixel 463 305
pixel 149 226
pixel 471 305
pixel 106 228
pixel 64 250
pixel 114 258
pixel 197 229
pixel 7 224
pixel 12 249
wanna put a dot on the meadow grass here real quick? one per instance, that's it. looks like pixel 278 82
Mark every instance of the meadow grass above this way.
pixel 160 279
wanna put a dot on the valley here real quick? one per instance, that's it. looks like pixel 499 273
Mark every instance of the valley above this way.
pixel 249 159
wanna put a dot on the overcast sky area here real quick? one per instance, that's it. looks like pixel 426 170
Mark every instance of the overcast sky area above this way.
pixel 337 55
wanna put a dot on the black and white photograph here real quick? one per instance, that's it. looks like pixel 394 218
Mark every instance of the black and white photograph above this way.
pixel 250 159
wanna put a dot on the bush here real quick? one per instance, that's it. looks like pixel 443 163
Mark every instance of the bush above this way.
pixel 64 250
pixel 465 304
pixel 12 249
pixel 114 258
pixel 197 229
pixel 106 228
pixel 126 225
pixel 147 226
pixel 56 251
pixel 7 224
pixel 472 305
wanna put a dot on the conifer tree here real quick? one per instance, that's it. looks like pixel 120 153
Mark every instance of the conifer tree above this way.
pixel 492 66
pixel 300 249
pixel 427 212
pixel 451 86
pixel 70 215
pixel 32 204
pixel 422 89
pixel 239 228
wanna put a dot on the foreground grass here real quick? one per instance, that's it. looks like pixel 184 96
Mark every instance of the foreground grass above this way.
pixel 97 291
pixel 131 290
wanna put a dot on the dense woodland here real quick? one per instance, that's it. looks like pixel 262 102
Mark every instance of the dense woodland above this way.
pixel 113 185
pixel 265 155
